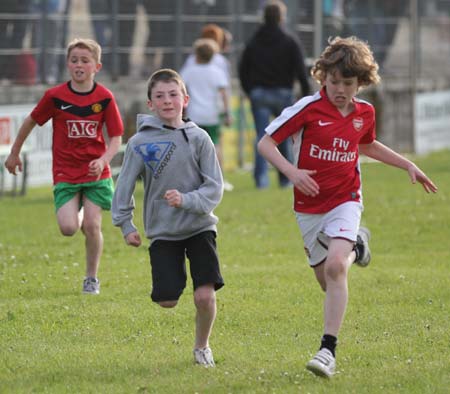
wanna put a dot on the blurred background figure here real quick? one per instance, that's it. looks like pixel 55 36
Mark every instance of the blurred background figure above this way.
pixel 48 37
pixel 223 40
pixel 270 64
pixel 12 34
pixel 127 24
pixel 207 85
pixel 102 22
pixel 159 35
pixel 101 17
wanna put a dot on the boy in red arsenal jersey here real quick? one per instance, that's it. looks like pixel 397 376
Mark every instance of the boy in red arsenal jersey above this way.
pixel 81 174
pixel 329 130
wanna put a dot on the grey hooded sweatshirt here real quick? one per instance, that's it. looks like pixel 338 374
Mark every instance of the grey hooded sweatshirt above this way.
pixel 168 158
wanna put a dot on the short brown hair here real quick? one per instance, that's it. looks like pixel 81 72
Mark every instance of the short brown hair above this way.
pixel 86 43
pixel 214 32
pixel 205 48
pixel 165 75
pixel 350 56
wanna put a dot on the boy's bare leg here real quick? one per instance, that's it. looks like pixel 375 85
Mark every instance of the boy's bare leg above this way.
pixel 205 302
pixel 92 229
pixel 70 217
pixel 332 276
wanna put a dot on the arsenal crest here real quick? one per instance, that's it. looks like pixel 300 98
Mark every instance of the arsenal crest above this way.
pixel 358 123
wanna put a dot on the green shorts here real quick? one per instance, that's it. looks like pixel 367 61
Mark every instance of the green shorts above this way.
pixel 213 131
pixel 99 192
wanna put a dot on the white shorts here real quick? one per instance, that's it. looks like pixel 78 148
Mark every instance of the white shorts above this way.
pixel 341 222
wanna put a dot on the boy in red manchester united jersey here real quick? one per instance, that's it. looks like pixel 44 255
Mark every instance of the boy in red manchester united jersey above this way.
pixel 79 109
pixel 329 130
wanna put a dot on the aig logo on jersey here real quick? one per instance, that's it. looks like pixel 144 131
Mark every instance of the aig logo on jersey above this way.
pixel 82 128
pixel 358 123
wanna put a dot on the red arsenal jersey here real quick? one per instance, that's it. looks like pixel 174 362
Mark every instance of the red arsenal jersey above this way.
pixel 326 141
pixel 78 120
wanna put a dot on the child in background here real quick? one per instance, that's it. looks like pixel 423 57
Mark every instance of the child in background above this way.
pixel 223 38
pixel 81 174
pixel 207 86
pixel 183 184
pixel 329 130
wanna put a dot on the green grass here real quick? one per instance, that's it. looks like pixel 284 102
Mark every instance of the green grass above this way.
pixel 394 338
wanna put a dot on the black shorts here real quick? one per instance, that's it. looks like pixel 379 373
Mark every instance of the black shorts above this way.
pixel 167 259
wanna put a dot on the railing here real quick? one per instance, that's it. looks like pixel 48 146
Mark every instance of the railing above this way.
pixel 141 35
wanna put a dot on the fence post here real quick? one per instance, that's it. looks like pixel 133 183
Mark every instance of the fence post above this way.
pixel 178 33
pixel 414 59
pixel 114 41
pixel 318 27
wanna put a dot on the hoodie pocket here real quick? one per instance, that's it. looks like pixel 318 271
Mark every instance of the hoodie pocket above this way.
pixel 171 221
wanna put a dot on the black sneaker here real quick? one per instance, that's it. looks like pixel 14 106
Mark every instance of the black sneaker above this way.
pixel 362 250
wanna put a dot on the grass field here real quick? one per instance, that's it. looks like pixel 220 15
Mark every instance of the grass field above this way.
pixel 395 338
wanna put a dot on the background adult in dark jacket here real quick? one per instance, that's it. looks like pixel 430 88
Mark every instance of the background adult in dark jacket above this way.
pixel 270 64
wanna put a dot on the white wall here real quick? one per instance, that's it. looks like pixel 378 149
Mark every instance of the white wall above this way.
pixel 37 147
pixel 432 131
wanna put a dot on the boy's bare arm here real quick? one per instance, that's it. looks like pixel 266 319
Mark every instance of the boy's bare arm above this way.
pixel 96 166
pixel 13 161
pixel 301 178
pixel 378 151
pixel 113 148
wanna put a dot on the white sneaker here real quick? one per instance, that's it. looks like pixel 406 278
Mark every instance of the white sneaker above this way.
pixel 91 286
pixel 362 250
pixel 204 357
pixel 322 364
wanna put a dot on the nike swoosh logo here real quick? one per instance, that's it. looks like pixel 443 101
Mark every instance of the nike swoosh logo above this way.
pixel 63 107
pixel 324 123
pixel 344 229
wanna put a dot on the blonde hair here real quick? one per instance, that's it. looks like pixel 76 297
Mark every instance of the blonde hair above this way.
pixel 165 75
pixel 86 43
pixel 351 57
pixel 205 48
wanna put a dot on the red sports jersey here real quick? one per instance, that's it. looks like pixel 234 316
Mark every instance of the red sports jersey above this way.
pixel 77 120
pixel 326 141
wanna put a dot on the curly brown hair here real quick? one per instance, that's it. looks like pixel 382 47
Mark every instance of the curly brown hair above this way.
pixel 351 57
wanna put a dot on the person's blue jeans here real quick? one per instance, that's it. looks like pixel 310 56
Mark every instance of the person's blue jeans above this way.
pixel 265 103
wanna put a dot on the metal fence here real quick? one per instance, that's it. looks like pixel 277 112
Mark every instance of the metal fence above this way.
pixel 407 36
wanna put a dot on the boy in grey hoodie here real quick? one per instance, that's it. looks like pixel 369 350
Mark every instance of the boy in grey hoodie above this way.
pixel 182 185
